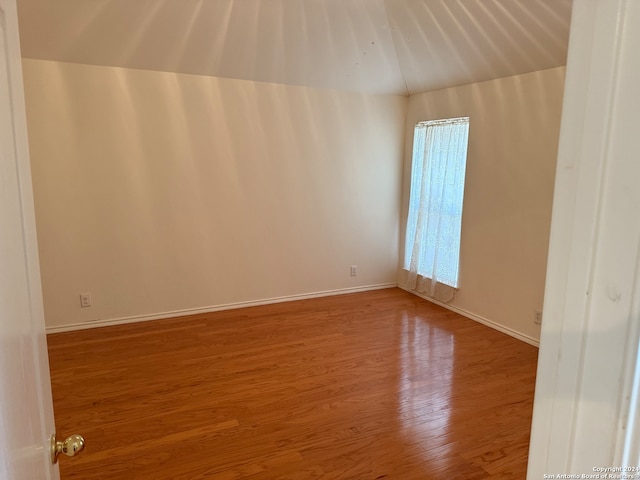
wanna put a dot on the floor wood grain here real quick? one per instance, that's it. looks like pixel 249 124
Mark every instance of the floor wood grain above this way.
pixel 375 385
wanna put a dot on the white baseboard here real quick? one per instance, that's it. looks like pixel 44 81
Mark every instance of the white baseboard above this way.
pixel 210 309
pixel 478 318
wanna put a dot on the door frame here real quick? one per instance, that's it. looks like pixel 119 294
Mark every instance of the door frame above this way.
pixel 583 414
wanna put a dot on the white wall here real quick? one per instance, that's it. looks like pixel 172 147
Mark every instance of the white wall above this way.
pixel 161 192
pixel 513 142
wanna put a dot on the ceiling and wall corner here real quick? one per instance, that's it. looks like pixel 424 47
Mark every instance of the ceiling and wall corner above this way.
pixel 367 46
pixel 138 94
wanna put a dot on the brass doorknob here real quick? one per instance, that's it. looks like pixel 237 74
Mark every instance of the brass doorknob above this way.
pixel 72 445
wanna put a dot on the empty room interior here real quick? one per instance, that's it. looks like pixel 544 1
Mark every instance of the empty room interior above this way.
pixel 222 191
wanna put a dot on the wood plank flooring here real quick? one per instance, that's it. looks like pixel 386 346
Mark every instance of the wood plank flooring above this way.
pixel 375 385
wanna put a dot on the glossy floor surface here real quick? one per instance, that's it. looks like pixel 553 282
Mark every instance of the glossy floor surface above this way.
pixel 374 385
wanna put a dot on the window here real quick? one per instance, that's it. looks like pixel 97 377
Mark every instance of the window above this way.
pixel 432 248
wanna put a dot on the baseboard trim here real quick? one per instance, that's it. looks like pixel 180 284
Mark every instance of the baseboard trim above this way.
pixel 478 318
pixel 213 308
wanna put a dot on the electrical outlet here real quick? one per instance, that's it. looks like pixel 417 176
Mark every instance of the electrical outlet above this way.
pixel 354 270
pixel 538 317
pixel 85 300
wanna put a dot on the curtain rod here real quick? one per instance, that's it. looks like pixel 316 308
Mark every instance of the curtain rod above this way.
pixel 444 121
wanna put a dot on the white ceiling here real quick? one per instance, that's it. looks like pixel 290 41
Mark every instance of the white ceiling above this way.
pixel 372 46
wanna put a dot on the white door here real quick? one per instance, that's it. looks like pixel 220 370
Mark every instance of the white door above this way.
pixel 26 411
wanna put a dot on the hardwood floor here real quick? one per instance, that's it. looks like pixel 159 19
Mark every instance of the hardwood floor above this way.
pixel 375 385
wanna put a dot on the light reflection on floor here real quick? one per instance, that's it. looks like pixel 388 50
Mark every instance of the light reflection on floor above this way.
pixel 425 387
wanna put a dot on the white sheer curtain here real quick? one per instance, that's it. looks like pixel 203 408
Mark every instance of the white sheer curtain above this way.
pixel 432 249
